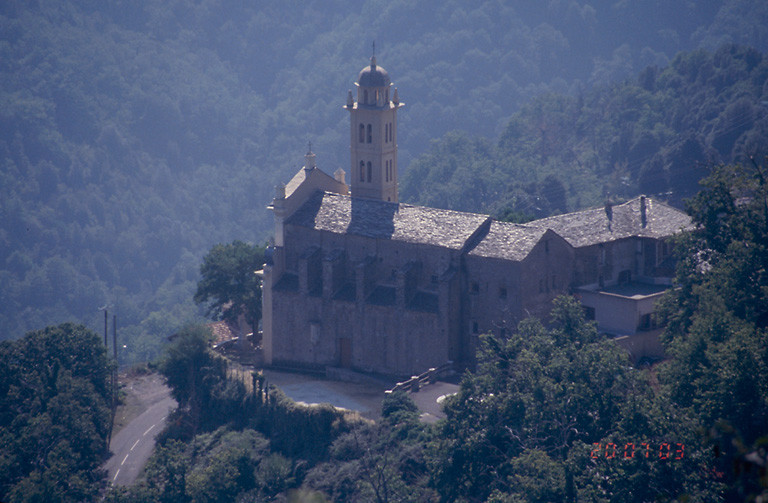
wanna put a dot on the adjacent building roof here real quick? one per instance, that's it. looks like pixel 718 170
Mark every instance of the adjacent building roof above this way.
pixel 508 241
pixel 326 211
pixel 611 223
pixel 223 331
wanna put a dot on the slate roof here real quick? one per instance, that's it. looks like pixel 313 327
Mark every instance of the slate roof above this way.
pixel 589 227
pixel 223 331
pixel 326 211
pixel 508 241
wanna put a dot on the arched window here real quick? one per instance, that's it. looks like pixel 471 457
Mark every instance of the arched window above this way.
pixel 390 131
pixel 365 96
pixel 362 171
pixel 377 96
pixel 370 133
pixel 386 133
pixel 370 171
pixel 361 134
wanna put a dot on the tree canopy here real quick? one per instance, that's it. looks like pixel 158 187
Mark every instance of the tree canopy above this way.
pixel 717 330
pixel 229 285
pixel 55 400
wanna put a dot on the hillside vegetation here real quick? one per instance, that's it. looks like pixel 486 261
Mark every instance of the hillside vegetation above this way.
pixel 136 135
pixel 654 134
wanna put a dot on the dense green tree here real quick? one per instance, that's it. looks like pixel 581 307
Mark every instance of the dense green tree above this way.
pixel 523 426
pixel 383 462
pixel 54 415
pixel 198 380
pixel 717 331
pixel 229 285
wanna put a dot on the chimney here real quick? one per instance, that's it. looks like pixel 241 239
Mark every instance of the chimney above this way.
pixel 609 209
pixel 643 212
pixel 309 159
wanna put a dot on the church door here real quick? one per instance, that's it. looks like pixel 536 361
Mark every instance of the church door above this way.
pixel 345 352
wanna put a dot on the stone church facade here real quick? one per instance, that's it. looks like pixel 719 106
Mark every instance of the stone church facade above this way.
pixel 357 279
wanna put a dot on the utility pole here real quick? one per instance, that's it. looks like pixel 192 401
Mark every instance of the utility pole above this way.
pixel 114 335
pixel 114 372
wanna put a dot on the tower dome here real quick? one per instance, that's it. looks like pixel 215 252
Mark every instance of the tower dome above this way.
pixel 373 76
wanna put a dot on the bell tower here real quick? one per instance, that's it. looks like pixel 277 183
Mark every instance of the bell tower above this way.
pixel 373 135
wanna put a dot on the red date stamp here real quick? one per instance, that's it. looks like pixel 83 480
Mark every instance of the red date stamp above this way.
pixel 630 450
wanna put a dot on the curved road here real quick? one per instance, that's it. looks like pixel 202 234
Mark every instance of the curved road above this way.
pixel 133 445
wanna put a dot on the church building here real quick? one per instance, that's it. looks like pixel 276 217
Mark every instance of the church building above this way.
pixel 358 280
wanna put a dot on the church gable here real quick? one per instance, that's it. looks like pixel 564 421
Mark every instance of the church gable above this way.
pixel 508 241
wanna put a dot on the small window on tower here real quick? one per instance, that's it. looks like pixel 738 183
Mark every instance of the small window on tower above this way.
pixel 370 134
pixel 362 171
pixel 502 293
pixel 361 134
pixel 370 171
pixel 365 97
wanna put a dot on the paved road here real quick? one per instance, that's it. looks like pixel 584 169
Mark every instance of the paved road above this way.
pixel 428 399
pixel 132 446
pixel 363 398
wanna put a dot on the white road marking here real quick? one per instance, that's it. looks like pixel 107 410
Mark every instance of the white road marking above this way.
pixel 115 477
pixel 150 429
pixel 135 444
pixel 126 457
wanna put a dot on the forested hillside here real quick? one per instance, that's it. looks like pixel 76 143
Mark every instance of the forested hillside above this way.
pixel 136 135
pixel 655 134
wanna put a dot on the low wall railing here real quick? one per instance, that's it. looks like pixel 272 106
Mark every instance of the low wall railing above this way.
pixel 416 382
